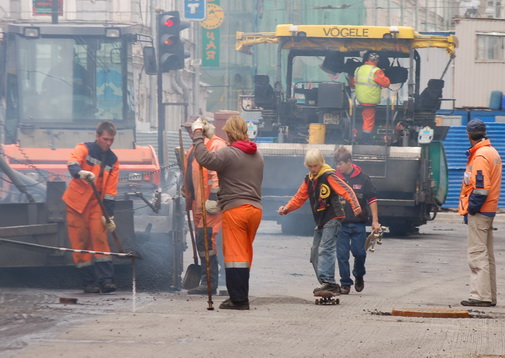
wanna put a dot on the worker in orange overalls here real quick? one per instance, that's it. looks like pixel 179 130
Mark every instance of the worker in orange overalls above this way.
pixel 368 81
pixel 192 191
pixel 87 227
pixel 478 203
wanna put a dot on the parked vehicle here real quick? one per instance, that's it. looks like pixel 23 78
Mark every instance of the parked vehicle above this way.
pixel 58 82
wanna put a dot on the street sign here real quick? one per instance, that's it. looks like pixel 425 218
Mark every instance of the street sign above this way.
pixel 44 7
pixel 195 10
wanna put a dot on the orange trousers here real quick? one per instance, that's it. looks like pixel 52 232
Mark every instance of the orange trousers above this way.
pixel 368 118
pixel 239 229
pixel 86 232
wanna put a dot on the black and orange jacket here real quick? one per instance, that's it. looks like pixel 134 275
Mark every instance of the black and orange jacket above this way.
pixel 323 191
pixel 105 166
pixel 365 192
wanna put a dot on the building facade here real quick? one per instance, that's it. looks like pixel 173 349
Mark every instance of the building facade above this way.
pixel 215 75
pixel 480 61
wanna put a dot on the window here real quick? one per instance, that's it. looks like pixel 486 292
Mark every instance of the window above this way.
pixel 67 79
pixel 491 47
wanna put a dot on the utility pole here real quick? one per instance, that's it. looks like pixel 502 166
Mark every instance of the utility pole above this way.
pixel 55 11
pixel 161 107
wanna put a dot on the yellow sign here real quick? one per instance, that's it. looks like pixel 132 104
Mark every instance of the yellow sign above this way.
pixel 215 17
pixel 347 31
pixel 345 38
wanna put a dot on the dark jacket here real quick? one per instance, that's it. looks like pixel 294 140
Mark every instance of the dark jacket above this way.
pixel 323 191
pixel 365 191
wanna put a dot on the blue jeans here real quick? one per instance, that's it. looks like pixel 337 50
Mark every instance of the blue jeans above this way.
pixel 351 239
pixel 323 251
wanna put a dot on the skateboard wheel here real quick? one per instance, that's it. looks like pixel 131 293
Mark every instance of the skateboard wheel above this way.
pixel 317 301
pixel 338 301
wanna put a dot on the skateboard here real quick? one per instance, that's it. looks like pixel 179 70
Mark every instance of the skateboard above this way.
pixel 374 238
pixel 326 298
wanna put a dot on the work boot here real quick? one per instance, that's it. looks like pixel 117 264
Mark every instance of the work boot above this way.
pixel 359 284
pixel 91 288
pixel 214 272
pixel 326 286
pixel 88 279
pixel 104 271
pixel 107 287
pixel 476 303
pixel 228 304
pixel 344 290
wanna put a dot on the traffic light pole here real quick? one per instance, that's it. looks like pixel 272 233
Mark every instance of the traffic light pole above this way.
pixel 170 57
pixel 161 113
pixel 161 119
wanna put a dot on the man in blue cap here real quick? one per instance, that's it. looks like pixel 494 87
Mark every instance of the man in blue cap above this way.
pixel 480 192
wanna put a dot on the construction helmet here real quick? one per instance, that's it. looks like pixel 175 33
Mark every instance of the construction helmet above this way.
pixel 373 56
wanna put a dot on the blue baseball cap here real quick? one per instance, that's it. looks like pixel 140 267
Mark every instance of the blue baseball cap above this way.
pixel 476 126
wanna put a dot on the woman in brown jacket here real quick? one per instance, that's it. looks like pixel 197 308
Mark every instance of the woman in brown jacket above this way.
pixel 240 171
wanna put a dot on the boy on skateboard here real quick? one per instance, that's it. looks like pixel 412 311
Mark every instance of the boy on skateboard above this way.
pixel 322 187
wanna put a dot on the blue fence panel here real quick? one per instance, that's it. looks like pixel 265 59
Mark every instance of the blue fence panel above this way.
pixel 456 143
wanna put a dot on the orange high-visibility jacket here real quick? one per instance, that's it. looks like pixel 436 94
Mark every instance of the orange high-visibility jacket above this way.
pixel 209 176
pixel 482 177
pixel 89 156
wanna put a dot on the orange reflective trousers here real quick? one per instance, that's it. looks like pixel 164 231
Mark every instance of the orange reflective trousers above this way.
pixel 86 232
pixel 368 118
pixel 239 229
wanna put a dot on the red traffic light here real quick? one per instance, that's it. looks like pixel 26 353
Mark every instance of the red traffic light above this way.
pixel 169 23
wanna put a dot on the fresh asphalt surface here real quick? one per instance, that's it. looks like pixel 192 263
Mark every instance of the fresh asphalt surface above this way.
pixel 426 270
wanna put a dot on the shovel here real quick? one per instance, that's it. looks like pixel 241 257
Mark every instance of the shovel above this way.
pixel 193 273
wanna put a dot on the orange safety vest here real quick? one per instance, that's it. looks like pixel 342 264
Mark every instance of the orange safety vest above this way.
pixel 367 90
pixel 88 156
pixel 210 177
